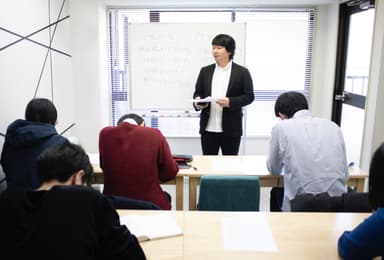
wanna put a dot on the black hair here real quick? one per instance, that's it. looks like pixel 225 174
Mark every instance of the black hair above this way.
pixel 138 119
pixel 376 179
pixel 227 42
pixel 289 103
pixel 41 110
pixel 60 162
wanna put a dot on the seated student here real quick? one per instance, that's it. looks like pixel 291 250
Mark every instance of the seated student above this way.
pixel 25 140
pixel 62 219
pixel 309 151
pixel 367 239
pixel 135 159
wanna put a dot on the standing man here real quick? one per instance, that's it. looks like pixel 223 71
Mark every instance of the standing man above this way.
pixel 221 121
pixel 309 151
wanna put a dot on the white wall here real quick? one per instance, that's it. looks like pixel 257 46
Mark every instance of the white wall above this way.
pixel 374 121
pixel 90 70
pixel 324 60
pixel 22 63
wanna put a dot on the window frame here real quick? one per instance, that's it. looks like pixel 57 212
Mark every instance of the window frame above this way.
pixel 152 117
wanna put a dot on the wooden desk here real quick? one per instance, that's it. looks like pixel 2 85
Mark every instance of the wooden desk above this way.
pixel 296 235
pixel 246 165
pixel 229 165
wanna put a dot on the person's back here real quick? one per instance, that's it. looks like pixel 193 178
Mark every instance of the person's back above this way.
pixel 62 219
pixel 312 153
pixel 66 222
pixel 135 160
pixel 25 140
pixel 366 240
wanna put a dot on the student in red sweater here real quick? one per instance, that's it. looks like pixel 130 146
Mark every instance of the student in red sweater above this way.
pixel 135 159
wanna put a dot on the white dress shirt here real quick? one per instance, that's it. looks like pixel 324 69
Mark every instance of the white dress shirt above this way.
pixel 311 152
pixel 220 81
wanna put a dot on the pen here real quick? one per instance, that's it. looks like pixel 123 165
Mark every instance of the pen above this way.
pixel 193 167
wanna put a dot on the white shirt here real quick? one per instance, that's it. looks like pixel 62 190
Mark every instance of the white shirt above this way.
pixel 220 81
pixel 311 151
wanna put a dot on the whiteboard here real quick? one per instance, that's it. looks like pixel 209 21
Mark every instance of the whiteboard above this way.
pixel 165 60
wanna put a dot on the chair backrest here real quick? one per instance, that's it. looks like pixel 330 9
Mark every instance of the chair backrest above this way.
pixel 229 193
pixel 119 202
pixel 322 202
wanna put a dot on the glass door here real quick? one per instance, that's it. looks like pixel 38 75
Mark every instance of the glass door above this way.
pixel 352 71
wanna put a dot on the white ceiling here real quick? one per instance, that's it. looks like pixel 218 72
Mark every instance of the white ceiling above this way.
pixel 217 3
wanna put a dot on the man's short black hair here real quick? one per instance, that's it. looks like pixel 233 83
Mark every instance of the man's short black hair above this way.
pixel 227 42
pixel 376 179
pixel 60 162
pixel 41 110
pixel 289 103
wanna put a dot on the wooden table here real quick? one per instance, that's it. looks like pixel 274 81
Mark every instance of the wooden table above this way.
pixel 246 165
pixel 295 235
pixel 229 165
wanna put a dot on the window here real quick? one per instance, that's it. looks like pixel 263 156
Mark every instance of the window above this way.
pixel 278 54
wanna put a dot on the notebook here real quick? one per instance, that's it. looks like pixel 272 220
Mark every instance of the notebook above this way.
pixel 150 227
pixel 183 160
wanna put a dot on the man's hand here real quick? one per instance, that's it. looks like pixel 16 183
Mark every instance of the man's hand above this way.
pixel 200 105
pixel 223 102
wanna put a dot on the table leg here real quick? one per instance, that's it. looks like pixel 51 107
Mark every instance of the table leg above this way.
pixel 179 192
pixel 193 182
pixel 360 185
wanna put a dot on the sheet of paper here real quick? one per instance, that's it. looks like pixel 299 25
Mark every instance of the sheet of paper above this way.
pixel 207 99
pixel 149 227
pixel 249 166
pixel 248 233
pixel 227 165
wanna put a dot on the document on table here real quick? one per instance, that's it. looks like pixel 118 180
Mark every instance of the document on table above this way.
pixel 248 233
pixel 238 164
pixel 227 165
pixel 149 227
pixel 206 99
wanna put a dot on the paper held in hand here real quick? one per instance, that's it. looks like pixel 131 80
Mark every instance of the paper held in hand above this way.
pixel 150 227
pixel 206 99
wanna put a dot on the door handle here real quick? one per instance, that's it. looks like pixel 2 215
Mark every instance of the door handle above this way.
pixel 342 97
